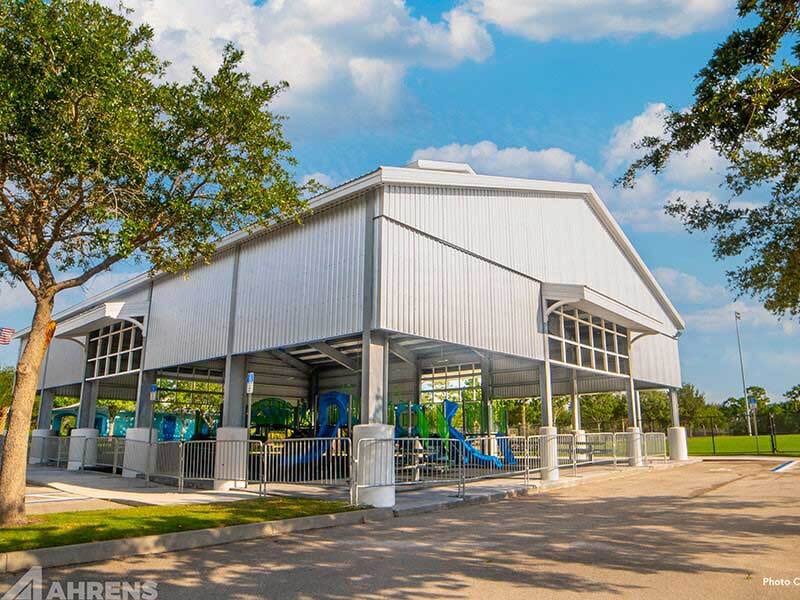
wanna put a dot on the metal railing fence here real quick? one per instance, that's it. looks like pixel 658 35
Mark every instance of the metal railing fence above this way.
pixel 401 462
pixel 655 446
pixel 55 450
pixel 109 452
pixel 594 448
pixel 320 461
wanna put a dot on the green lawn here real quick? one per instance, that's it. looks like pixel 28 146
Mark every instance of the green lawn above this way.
pixel 743 444
pixel 60 529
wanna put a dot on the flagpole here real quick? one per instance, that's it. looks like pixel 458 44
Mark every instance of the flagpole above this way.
pixel 738 317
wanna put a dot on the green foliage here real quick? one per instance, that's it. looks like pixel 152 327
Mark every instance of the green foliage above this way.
pixel 691 404
pixel 793 397
pixel 747 104
pixel 603 410
pixel 656 407
pixel 6 389
pixel 6 385
pixel 101 160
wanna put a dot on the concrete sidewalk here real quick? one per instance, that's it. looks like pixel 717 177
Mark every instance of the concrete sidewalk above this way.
pixel 121 491
pixel 88 490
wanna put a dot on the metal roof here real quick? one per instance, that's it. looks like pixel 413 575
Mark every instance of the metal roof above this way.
pixel 425 173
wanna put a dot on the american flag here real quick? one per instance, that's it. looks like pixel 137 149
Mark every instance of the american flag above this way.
pixel 6 333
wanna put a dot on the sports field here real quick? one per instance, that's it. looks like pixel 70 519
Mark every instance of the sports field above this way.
pixel 743 444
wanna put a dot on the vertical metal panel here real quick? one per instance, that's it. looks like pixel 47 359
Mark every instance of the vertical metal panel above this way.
pixel 435 291
pixel 551 237
pixel 275 378
pixel 64 363
pixel 189 315
pixel 655 359
pixel 302 283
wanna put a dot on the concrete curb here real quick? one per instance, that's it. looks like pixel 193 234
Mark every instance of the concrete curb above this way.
pixel 59 556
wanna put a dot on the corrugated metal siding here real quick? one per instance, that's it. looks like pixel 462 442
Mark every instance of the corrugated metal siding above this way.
pixel 65 362
pixel 189 315
pixel 656 360
pixel 274 378
pixel 402 384
pixel 551 237
pixel 303 283
pixel 340 380
pixel 435 291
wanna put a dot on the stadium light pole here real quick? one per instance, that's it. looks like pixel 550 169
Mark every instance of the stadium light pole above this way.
pixel 738 317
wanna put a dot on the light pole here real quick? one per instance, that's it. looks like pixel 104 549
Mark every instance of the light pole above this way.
pixel 738 317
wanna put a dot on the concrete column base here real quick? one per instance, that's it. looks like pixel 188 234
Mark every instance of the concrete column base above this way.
pixel 38 450
pixel 82 448
pixel 230 458
pixel 375 466
pixel 580 443
pixel 549 453
pixel 635 447
pixel 677 443
pixel 137 458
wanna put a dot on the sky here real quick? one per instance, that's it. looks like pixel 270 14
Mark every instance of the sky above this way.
pixel 547 89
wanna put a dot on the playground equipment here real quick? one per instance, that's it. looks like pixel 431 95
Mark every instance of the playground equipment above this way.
pixel 471 454
pixel 276 414
pixel 59 414
pixel 410 420
pixel 333 415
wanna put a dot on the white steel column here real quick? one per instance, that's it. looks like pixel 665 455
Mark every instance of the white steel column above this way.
pixel 546 393
pixel 88 404
pixel 677 434
pixel 233 396
pixel 144 399
pixel 486 393
pixel 639 409
pixel 634 429
pixel 45 409
pixel 82 454
pixel 580 434
pixel 549 440
pixel 374 377
pixel 575 403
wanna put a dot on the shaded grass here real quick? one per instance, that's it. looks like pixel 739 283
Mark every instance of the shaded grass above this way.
pixel 60 529
pixel 743 444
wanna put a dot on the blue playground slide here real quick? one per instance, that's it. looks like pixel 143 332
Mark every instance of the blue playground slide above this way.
pixel 471 454
pixel 325 429
pixel 505 448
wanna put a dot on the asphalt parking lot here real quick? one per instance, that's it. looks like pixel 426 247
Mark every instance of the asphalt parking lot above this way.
pixel 710 530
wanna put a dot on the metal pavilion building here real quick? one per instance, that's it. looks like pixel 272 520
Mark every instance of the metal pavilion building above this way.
pixel 392 275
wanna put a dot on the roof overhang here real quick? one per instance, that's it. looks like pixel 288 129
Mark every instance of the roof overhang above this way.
pixel 600 305
pixel 100 316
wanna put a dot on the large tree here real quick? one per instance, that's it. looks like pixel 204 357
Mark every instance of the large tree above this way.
pixel 747 104
pixel 103 160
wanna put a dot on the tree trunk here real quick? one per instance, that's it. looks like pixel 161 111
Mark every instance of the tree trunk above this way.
pixel 15 449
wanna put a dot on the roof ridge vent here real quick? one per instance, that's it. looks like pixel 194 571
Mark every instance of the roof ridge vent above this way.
pixel 441 165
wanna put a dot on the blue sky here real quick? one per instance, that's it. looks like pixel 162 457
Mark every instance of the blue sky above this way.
pixel 542 88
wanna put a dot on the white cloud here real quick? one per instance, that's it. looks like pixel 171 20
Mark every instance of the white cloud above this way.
pixel 322 178
pixel 754 316
pixel 485 157
pixel 18 299
pixel 14 298
pixel 688 288
pixel 689 176
pixel 544 20
pixel 327 51
pixel 701 165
